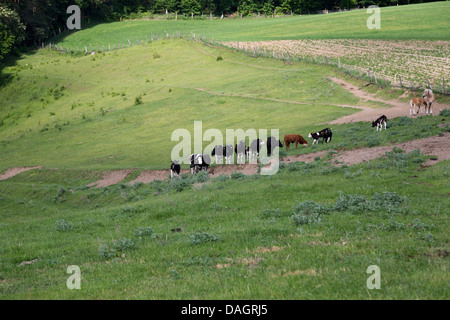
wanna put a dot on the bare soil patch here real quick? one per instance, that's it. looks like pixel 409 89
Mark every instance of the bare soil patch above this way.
pixel 9 173
pixel 433 146
pixel 110 178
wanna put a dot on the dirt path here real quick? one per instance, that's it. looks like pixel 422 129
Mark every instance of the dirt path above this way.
pixel 9 173
pixel 397 109
pixel 276 100
pixel 111 178
pixel 435 146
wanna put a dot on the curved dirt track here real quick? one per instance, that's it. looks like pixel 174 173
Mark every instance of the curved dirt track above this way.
pixel 397 109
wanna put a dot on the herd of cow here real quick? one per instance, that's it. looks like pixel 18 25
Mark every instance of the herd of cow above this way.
pixel 201 162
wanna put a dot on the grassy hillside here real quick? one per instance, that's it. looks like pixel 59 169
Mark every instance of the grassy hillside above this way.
pixel 397 23
pixel 119 109
pixel 288 236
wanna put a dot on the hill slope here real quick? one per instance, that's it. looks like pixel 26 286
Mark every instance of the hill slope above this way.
pixel 397 23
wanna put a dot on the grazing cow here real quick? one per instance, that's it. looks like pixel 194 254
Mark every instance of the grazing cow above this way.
pixel 175 169
pixel 199 162
pixel 254 148
pixel 294 138
pixel 228 152
pixel 325 134
pixel 379 123
pixel 218 152
pixel 272 143
pixel 428 98
pixel 415 102
pixel 241 150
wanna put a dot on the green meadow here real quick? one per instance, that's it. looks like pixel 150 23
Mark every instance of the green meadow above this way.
pixel 101 112
pixel 308 232
pixel 428 21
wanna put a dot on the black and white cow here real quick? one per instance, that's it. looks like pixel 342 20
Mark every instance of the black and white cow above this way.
pixel 379 123
pixel 254 149
pixel 218 151
pixel 241 151
pixel 228 152
pixel 199 162
pixel 325 134
pixel 272 143
pixel 175 169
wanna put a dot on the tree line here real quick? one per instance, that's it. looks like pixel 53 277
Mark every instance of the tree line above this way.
pixel 31 22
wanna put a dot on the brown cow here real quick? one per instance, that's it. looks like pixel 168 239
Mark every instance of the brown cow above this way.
pixel 294 138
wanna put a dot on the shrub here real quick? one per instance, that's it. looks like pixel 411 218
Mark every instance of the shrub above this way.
pixel 310 207
pixel 124 245
pixel 63 225
pixel 203 237
pixel 219 58
pixel 373 141
pixel 417 225
pixel 143 232
pixel 138 101
pixel 237 176
pixel 444 113
pixel 351 202
pixel 200 177
pixel 179 184
pixel 223 178
pixel 389 202
pixel 300 219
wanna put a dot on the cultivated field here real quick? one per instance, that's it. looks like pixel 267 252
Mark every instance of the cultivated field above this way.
pixel 414 60
pixel 85 144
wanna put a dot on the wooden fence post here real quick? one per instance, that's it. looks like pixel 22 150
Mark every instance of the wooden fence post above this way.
pixel 412 86
pixel 339 63
pixel 400 78
pixel 429 85
pixel 443 86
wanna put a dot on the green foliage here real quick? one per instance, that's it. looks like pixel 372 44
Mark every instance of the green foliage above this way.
pixel 386 202
pixel 444 113
pixel 238 176
pixel 12 31
pixel 138 101
pixel 203 237
pixel 63 225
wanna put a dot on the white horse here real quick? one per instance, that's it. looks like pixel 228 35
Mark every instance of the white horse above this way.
pixel 428 97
